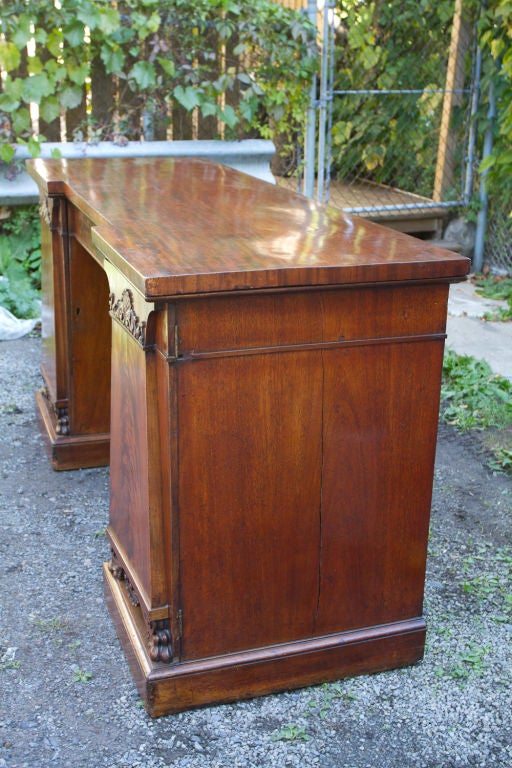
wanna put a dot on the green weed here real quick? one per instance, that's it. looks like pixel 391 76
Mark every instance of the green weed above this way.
pixel 329 692
pixel 8 660
pixel 469 662
pixel 79 676
pixel 502 461
pixel 50 626
pixel 497 288
pixel 10 408
pixel 20 262
pixel 54 627
pixel 9 665
pixel 291 733
pixel 489 580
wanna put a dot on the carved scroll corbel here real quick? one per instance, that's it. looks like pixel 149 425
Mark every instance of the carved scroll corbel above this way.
pixel 160 648
pixel 61 414
pixel 122 309
pixel 62 427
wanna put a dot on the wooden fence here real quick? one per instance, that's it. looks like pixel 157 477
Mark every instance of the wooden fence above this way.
pixel 296 5
pixel 110 110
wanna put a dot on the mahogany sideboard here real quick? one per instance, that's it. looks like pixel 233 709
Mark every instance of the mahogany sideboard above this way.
pixel 268 371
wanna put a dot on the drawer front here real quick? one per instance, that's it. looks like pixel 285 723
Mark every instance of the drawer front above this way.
pixel 332 317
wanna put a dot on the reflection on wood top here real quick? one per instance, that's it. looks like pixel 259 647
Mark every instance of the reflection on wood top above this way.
pixel 188 226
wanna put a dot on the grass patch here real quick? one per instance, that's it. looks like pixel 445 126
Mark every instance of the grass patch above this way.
pixel 469 662
pixel 488 579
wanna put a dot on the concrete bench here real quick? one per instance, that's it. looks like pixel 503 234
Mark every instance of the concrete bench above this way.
pixel 252 156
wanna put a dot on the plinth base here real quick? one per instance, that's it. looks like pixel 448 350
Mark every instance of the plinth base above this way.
pixel 170 688
pixel 69 451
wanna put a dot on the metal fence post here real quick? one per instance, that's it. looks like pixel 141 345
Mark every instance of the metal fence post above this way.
pixel 309 150
pixel 481 224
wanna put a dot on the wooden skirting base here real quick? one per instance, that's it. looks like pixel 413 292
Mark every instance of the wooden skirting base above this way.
pixel 170 688
pixel 69 451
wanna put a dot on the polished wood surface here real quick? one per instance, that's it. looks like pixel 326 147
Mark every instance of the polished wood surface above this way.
pixel 274 390
pixel 239 233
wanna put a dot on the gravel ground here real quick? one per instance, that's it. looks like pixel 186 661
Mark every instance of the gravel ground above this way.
pixel 66 695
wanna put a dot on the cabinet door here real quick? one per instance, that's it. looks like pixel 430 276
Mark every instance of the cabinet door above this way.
pixel 250 458
pixel 381 411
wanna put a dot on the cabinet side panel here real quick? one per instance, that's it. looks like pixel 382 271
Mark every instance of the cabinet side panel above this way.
pixel 249 499
pixel 129 514
pixel 54 299
pixel 381 414
pixel 90 343
pixel 48 309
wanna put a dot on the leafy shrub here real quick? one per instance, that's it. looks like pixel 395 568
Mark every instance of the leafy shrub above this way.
pixel 495 35
pixel 20 262
pixel 246 66
pixel 390 46
pixel 473 396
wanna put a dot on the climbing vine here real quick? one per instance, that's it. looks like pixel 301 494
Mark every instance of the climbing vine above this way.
pixel 245 66
pixel 385 47
pixel 495 35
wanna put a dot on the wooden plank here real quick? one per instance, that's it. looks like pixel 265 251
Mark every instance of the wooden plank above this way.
pixel 370 200
pixel 460 40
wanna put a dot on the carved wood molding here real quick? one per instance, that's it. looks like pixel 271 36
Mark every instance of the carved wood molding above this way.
pixel 118 572
pixel 122 309
pixel 49 211
pixel 115 567
pixel 158 633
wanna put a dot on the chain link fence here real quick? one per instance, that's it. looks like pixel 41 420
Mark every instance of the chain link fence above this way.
pixel 400 146
pixel 498 241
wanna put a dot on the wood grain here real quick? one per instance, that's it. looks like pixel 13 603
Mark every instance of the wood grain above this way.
pixel 270 373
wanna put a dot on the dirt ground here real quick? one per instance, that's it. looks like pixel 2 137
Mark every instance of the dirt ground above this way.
pixel 66 695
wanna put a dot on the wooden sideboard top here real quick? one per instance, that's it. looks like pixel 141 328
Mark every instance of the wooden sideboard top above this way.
pixel 189 226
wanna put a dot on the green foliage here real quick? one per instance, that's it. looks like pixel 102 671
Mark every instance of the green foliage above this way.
pixel 497 288
pixel 473 396
pixel 8 660
pixel 469 662
pixel 489 581
pixel 328 693
pixel 495 36
pixel 387 45
pixel 291 733
pixel 79 676
pixel 501 463
pixel 248 65
pixel 20 262
pixel 16 293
